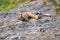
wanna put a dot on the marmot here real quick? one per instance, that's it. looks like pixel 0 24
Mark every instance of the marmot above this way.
pixel 26 16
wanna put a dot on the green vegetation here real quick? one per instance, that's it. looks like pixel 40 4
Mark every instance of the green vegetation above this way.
pixel 57 9
pixel 9 4
pixel 56 5
pixel 44 2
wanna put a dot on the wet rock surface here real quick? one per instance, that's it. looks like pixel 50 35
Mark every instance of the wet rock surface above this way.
pixel 47 28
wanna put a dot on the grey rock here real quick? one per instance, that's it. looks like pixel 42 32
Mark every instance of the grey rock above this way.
pixel 42 29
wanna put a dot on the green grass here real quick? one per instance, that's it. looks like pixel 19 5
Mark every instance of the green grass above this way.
pixel 44 2
pixel 57 10
pixel 56 5
pixel 6 5
pixel 10 4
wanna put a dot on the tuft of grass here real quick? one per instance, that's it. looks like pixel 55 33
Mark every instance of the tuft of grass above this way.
pixel 44 2
pixel 6 5
pixel 57 10
pixel 56 5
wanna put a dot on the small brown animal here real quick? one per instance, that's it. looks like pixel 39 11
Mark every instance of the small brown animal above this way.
pixel 26 16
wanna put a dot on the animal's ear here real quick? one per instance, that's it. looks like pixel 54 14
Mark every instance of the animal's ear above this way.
pixel 19 17
pixel 21 14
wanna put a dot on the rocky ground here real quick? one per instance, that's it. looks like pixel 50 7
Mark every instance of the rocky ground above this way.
pixel 46 28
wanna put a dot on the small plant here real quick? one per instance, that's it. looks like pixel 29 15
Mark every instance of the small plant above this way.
pixel 9 4
pixel 44 2
pixel 56 5
pixel 57 10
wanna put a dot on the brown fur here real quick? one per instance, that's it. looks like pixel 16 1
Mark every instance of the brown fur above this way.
pixel 27 15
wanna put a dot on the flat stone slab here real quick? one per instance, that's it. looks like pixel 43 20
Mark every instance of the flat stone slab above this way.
pixel 47 28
